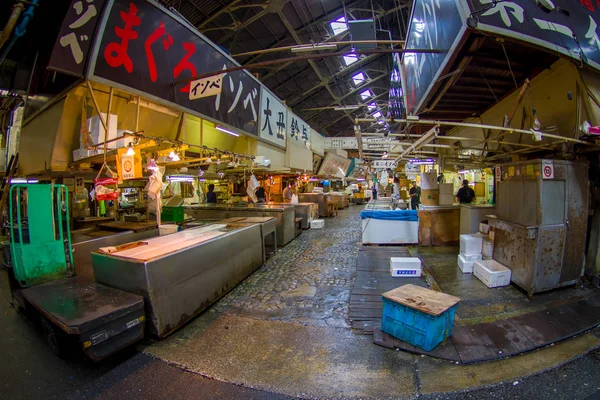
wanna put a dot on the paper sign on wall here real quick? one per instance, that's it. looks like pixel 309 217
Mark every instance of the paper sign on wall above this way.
pixel 128 167
pixel 547 169
pixel 498 172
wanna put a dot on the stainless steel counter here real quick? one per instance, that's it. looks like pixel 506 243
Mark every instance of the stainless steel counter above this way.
pixel 284 214
pixel 182 274
pixel 307 211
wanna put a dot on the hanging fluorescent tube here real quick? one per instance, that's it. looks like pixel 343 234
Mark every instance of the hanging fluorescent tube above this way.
pixel 220 128
pixel 345 108
pixel 314 47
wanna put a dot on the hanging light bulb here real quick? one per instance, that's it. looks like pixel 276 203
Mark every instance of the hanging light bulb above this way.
pixel 221 175
pixel 175 157
pixel 130 150
pixel 200 172
pixel 218 161
pixel 172 154
pixel 231 164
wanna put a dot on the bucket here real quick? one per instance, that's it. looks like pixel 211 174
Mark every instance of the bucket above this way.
pixel 167 229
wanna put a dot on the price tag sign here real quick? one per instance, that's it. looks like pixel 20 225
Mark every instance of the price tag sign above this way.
pixel 498 172
pixel 547 169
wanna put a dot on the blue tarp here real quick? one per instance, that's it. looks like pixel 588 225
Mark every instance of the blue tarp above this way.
pixel 390 215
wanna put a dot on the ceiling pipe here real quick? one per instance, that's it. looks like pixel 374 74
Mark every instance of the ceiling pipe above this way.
pixel 12 22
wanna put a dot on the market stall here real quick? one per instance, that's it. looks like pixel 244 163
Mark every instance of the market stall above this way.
pixel 439 225
pixel 321 199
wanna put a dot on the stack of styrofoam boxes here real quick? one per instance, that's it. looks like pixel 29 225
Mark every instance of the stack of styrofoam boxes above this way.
pixel 405 267
pixel 470 251
pixel 123 140
pixel 488 241
pixel 446 194
pixel 97 135
pixel 491 273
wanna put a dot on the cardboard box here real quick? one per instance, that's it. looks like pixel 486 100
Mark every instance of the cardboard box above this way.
pixel 488 249
pixel 492 273
pixel 405 267
pixel 447 199
pixel 446 188
pixel 430 197
pixel 429 181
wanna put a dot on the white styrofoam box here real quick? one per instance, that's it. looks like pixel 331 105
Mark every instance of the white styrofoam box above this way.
pixel 484 228
pixel 488 248
pixel 447 199
pixel 80 154
pixel 317 224
pixel 471 244
pixel 492 235
pixel 97 129
pixel 465 265
pixel 446 188
pixel 123 141
pixel 405 267
pixel 472 257
pixel 492 273
pixel 429 181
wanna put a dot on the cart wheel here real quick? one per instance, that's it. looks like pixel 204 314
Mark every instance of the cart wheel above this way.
pixel 54 337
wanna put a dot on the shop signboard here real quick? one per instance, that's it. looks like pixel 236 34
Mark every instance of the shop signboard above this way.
pixel 569 27
pixel 341 143
pixel 128 167
pixel 298 131
pixel 147 50
pixel 547 169
pixel 385 164
pixel 273 118
pixel 70 52
pixel 334 165
pixel 435 25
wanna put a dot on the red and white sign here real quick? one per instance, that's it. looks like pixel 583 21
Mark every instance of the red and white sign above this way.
pixel 547 169
pixel 498 171
pixel 128 167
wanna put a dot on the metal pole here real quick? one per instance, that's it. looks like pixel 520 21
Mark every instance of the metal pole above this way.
pixel 137 115
pixel 110 97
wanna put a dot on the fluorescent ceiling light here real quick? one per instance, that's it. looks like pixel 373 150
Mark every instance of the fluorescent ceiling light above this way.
pixel 344 108
pixel 372 106
pixel 339 25
pixel 220 128
pixel 377 114
pixel 314 47
pixel 365 94
pixel 350 59
pixel 358 78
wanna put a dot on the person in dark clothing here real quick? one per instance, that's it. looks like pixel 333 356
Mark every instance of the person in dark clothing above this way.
pixel 211 196
pixel 415 196
pixel 261 194
pixel 374 190
pixel 465 194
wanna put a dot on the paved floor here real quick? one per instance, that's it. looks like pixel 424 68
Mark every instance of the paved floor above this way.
pixel 284 333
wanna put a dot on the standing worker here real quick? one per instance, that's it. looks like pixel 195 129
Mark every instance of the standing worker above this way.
pixel 261 195
pixel 415 196
pixel 211 196
pixel 465 194
pixel 374 190
pixel 287 193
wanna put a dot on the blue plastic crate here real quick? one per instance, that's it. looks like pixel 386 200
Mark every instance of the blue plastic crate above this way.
pixel 415 327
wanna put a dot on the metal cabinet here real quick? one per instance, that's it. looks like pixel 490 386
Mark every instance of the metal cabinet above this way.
pixel 541 222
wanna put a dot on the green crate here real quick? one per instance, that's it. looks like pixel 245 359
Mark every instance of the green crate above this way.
pixel 172 214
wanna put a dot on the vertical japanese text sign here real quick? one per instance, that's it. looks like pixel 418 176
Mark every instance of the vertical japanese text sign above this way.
pixel 435 25
pixel 298 131
pixel 273 118
pixel 75 38
pixel 146 48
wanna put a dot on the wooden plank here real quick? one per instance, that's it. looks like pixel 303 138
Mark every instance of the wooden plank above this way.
pixel 424 300
pixel 364 313
pixel 473 344
pixel 364 298
pixel 371 304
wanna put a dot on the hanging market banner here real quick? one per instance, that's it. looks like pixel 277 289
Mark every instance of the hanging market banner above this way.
pixel 435 25
pixel 385 164
pixel 569 27
pixel 298 131
pixel 334 165
pixel 75 38
pixel 146 48
pixel 273 118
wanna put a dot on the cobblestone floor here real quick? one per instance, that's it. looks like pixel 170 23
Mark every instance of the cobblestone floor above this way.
pixel 308 281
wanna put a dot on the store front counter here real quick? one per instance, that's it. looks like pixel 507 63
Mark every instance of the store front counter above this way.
pixel 439 225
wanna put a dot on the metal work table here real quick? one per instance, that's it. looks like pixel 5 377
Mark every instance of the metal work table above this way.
pixel 284 214
pixel 181 274
pixel 307 211
pixel 268 228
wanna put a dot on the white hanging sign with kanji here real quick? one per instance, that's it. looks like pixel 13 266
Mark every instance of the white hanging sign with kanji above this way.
pixel 272 119
pixel 298 131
